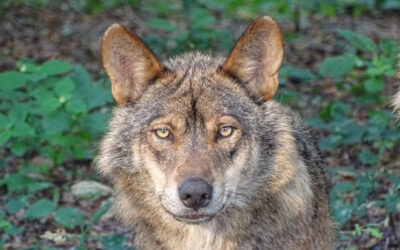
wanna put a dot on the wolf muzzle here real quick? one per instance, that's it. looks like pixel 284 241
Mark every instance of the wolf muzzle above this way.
pixel 195 193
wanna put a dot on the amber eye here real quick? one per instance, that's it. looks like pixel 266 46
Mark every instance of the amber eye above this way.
pixel 162 133
pixel 226 131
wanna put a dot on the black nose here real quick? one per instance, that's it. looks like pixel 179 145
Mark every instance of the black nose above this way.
pixel 195 193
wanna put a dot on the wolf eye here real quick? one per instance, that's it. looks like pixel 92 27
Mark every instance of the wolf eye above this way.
pixel 162 133
pixel 226 131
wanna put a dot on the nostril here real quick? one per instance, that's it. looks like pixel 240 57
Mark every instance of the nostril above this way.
pixel 205 196
pixel 186 196
pixel 195 193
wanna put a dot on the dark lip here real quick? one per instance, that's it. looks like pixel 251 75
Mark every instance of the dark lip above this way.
pixel 194 218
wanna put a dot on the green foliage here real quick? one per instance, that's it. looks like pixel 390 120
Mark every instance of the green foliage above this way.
pixel 337 66
pixel 370 228
pixel 362 71
pixel 52 111
pixel 114 242
pixel 57 114
pixel 39 209
pixel 359 41
pixel 195 32
pixel 69 217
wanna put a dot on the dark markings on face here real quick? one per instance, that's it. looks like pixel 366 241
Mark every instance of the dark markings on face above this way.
pixel 233 152
pixel 172 90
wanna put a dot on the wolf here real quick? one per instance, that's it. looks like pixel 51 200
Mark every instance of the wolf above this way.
pixel 202 157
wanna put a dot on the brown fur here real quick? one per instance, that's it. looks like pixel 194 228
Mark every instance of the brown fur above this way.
pixel 269 188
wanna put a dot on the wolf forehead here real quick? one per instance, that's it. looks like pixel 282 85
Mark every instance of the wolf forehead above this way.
pixel 192 85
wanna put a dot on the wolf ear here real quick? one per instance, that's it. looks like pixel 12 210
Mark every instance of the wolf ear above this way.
pixel 128 62
pixel 256 58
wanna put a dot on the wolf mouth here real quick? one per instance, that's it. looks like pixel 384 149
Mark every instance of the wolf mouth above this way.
pixel 194 218
pixel 198 217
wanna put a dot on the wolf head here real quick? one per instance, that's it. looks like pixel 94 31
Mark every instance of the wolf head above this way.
pixel 189 131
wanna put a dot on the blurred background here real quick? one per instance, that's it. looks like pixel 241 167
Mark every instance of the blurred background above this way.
pixel 339 73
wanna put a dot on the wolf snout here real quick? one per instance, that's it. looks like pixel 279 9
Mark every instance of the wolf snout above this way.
pixel 195 193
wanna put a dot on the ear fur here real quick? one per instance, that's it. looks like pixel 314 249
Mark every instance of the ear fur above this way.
pixel 256 58
pixel 128 62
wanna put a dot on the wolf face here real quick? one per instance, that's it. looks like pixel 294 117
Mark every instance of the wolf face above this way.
pixel 202 158
pixel 192 124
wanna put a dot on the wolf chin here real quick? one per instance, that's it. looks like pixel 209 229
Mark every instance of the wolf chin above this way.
pixel 200 155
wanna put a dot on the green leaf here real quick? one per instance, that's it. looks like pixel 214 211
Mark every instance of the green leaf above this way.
pixel 3 121
pixel 367 157
pixel 330 142
pixel 55 67
pixel 337 66
pixel 19 148
pixel 374 85
pixel 18 114
pixel 64 88
pixel 4 137
pixel 56 122
pixel 201 18
pixel 341 211
pixel 10 80
pixel 27 66
pixel 359 41
pixel 353 134
pixel 48 102
pixel 17 182
pixel 357 230
pixel 81 77
pixel 389 47
pixel 40 209
pixel 69 217
pixel 391 202
pixel 162 24
pixel 76 105
pixel 299 73
pixel 14 205
pixel 97 95
pixel 343 186
pixel 96 122
pixel 23 129
pixel 113 242
pixel 39 186
pixel 374 232
pixel 4 225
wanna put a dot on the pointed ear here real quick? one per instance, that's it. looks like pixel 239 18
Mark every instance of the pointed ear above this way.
pixel 128 62
pixel 256 58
